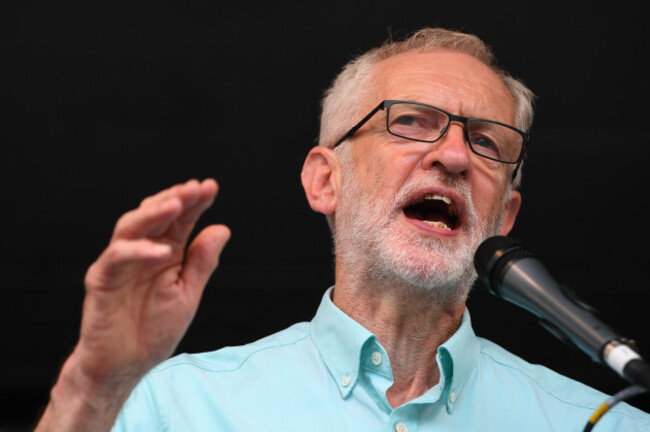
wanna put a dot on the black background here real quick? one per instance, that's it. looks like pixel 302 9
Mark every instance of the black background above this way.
pixel 104 103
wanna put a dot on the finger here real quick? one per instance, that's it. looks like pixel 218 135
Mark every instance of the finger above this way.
pixel 156 214
pixel 107 271
pixel 203 257
pixel 148 221
pixel 182 227
pixel 207 191
pixel 177 190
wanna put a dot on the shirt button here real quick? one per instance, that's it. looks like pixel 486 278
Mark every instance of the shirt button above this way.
pixel 345 381
pixel 452 397
pixel 401 427
pixel 376 358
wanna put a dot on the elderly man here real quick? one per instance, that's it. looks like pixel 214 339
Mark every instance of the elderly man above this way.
pixel 421 145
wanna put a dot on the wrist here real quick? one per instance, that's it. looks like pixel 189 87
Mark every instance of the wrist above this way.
pixel 79 402
pixel 75 380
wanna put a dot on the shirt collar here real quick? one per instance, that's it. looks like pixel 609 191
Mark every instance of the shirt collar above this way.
pixel 340 341
pixel 457 359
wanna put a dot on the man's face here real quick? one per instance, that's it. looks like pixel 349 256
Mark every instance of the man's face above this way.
pixel 416 212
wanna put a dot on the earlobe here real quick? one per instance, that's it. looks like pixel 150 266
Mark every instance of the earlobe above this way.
pixel 320 179
pixel 510 212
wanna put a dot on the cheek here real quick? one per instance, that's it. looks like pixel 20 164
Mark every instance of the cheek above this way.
pixel 488 198
pixel 387 174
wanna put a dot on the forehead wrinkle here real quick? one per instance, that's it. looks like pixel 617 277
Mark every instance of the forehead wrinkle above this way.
pixel 460 98
pixel 464 87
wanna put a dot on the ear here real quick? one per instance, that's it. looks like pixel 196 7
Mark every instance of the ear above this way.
pixel 321 179
pixel 510 212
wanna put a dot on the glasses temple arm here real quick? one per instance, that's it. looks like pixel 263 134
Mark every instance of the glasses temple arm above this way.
pixel 521 160
pixel 363 121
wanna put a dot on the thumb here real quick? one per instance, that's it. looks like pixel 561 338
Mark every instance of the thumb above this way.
pixel 202 258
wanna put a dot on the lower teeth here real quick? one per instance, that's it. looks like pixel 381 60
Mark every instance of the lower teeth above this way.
pixel 437 224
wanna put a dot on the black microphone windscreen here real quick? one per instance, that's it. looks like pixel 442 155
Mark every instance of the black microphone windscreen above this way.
pixel 485 254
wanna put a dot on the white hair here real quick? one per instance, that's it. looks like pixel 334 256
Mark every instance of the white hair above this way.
pixel 351 89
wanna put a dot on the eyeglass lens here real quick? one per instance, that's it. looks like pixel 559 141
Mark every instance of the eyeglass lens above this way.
pixel 424 123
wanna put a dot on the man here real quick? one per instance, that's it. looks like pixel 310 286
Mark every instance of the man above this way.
pixel 411 181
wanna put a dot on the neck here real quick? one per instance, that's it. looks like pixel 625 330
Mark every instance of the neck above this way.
pixel 407 322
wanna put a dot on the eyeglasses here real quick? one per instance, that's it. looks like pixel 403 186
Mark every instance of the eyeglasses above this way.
pixel 420 122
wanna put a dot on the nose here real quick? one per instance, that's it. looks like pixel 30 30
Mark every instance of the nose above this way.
pixel 450 152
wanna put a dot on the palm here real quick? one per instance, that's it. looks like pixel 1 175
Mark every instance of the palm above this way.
pixel 143 291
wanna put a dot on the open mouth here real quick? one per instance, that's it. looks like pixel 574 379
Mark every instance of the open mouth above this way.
pixel 435 210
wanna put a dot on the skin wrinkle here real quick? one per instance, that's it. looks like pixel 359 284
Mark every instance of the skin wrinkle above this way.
pixel 440 289
pixel 448 289
pixel 410 324
pixel 409 288
pixel 453 98
pixel 444 284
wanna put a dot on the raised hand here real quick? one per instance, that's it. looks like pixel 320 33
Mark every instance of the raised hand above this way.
pixel 141 295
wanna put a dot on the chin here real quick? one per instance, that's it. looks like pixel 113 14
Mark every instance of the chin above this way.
pixel 442 270
pixel 446 279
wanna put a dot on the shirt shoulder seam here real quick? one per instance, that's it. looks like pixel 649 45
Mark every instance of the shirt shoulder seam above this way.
pixel 553 395
pixel 241 363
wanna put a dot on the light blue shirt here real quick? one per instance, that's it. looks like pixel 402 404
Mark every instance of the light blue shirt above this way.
pixel 332 375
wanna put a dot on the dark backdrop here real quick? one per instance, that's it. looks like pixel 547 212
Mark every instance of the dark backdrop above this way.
pixel 105 103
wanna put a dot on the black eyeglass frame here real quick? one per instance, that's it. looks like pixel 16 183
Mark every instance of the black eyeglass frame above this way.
pixel 386 104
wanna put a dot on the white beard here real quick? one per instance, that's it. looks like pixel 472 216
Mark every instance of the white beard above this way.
pixel 369 241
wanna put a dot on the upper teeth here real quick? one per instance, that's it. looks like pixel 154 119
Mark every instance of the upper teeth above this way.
pixel 431 196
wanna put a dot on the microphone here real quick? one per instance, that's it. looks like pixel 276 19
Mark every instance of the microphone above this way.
pixel 513 273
